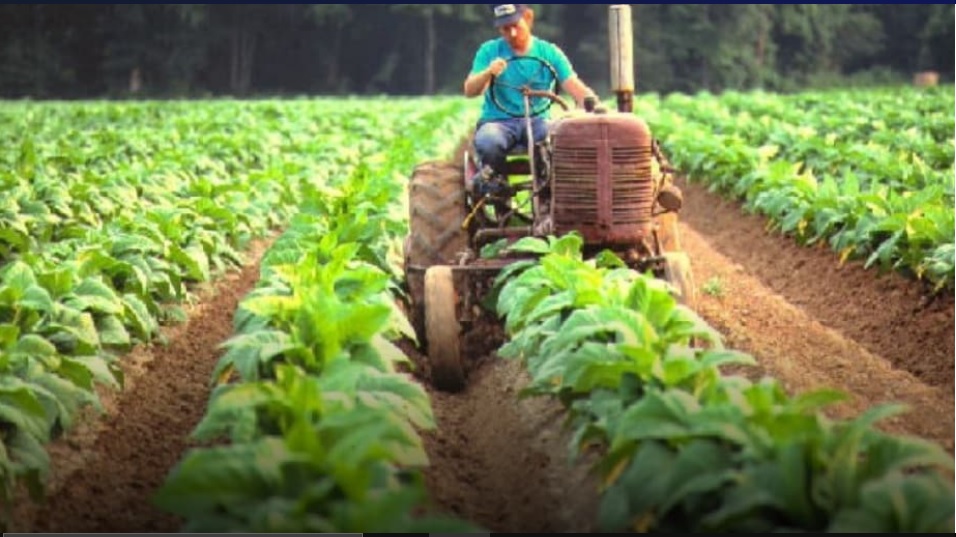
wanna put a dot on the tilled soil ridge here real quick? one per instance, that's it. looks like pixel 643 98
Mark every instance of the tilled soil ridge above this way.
pixel 889 315
pixel 813 324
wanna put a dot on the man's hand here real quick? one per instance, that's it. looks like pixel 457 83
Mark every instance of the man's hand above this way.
pixel 476 84
pixel 579 90
pixel 497 67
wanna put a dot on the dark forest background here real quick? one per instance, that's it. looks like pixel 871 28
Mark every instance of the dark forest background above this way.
pixel 204 50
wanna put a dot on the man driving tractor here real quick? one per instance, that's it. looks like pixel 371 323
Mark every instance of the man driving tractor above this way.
pixel 499 131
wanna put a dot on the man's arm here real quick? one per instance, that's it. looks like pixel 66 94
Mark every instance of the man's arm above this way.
pixel 565 71
pixel 577 89
pixel 476 83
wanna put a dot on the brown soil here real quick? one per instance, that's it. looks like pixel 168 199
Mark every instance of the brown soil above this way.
pixel 105 472
pixel 502 462
pixel 812 324
pixel 887 314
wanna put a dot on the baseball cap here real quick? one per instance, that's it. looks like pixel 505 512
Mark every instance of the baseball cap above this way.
pixel 507 13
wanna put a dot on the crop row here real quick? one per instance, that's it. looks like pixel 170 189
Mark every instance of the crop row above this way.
pixel 869 173
pixel 685 448
pixel 316 422
pixel 112 212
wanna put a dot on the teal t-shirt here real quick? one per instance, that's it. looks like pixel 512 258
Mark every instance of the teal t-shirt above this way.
pixel 520 73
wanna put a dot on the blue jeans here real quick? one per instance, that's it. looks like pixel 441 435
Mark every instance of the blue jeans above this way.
pixel 495 139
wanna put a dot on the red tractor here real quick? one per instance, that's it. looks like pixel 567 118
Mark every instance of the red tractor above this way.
pixel 599 173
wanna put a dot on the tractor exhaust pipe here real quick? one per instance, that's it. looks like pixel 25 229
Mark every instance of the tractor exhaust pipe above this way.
pixel 621 46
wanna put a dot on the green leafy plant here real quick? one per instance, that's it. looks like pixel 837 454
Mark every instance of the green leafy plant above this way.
pixel 321 428
pixel 713 287
pixel 868 172
pixel 684 448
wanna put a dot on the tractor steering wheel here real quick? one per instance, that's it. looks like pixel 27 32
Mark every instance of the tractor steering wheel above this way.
pixel 540 87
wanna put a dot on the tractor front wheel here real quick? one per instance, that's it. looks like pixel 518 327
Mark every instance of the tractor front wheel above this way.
pixel 443 330
pixel 678 273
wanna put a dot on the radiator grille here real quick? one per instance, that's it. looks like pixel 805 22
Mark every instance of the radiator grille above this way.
pixel 576 193
pixel 576 170
pixel 632 189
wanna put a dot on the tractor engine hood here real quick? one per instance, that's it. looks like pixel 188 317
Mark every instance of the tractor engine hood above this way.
pixel 602 178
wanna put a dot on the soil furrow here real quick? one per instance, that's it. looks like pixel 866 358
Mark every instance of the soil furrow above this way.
pixel 105 473
pixel 504 463
pixel 803 354
pixel 887 314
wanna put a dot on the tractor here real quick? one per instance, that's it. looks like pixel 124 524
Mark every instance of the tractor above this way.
pixel 598 172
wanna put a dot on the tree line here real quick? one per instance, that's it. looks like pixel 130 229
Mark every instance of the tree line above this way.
pixel 196 50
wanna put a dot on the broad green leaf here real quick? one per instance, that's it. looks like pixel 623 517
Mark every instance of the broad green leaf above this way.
pixel 815 400
pixel 112 332
pixel 18 276
pixel 531 245
pixel 206 478
pixel 74 330
pixel 194 259
pixel 19 239
pixel 99 297
pixel 9 334
pixel 397 393
pixel 721 357
pixel 639 491
pixel 899 504
pixel 94 261
pixel 666 415
pixel 77 373
pixel 101 370
pixel 138 317
pixel 249 351
pixel 676 368
pixel 363 435
pixel 34 346
pixel 594 367
pixel 548 306
pixel 33 463
pixel 702 468
pixel 61 398
pixel 844 465
pixel 22 408
pixel 38 299
pixel 230 407
pixel 608 324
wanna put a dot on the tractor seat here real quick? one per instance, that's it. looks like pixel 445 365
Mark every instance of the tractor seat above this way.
pixel 517 166
pixel 517 161
pixel 518 150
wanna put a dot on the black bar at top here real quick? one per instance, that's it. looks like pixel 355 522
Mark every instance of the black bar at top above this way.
pixel 238 534
pixel 179 534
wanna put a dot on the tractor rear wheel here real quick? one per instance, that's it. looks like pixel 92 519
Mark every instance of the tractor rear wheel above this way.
pixel 436 211
pixel 677 272
pixel 442 329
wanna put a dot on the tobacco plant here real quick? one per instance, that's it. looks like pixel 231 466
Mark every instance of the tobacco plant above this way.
pixel 682 446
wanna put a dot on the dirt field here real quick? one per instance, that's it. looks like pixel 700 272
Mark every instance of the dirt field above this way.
pixel 503 462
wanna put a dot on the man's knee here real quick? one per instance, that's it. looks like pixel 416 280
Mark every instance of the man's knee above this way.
pixel 540 130
pixel 491 139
